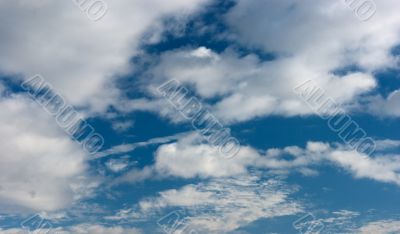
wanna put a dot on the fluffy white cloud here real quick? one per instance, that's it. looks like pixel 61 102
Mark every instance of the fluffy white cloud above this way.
pixel 258 88
pixel 381 167
pixel 223 205
pixel 191 157
pixel 325 35
pixel 41 168
pixel 79 56
pixel 311 40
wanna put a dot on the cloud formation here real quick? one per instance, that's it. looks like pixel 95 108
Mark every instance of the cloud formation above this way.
pixel 191 157
pixel 41 168
pixel 78 56
pixel 223 205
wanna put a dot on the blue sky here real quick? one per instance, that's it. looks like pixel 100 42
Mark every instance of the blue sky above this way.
pixel 154 172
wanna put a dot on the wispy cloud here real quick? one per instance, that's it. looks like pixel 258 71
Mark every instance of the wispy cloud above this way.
pixel 125 148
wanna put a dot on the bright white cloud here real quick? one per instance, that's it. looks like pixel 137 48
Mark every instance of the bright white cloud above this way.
pixel 191 157
pixel 381 167
pixel 41 168
pixel 258 88
pixel 78 56
pixel 323 36
pixel 311 40
pixel 326 35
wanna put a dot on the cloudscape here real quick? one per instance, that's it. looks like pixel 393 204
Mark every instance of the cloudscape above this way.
pixel 199 117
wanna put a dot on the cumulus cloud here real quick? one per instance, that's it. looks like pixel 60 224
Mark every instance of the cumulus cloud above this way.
pixel 325 35
pixel 191 157
pixel 259 88
pixel 41 168
pixel 380 167
pixel 312 40
pixel 78 56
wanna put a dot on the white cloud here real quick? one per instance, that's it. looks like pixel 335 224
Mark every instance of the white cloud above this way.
pixel 311 40
pixel 380 227
pixel 223 205
pixel 80 229
pixel 124 214
pixel 381 167
pixel 125 148
pixel 41 168
pixel 117 165
pixel 191 157
pixel 324 34
pixel 380 106
pixel 78 56
pixel 387 144
pixel 258 88
pixel 330 222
